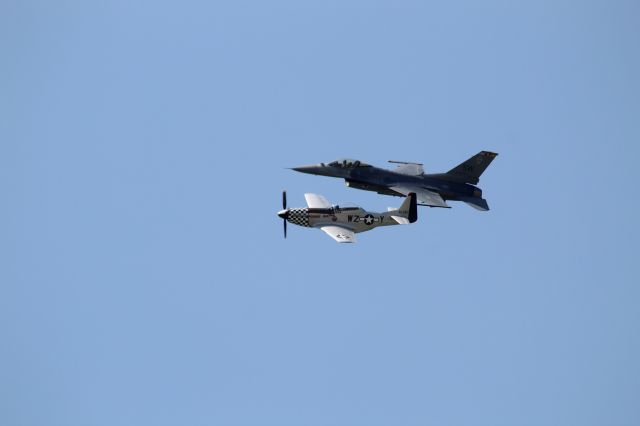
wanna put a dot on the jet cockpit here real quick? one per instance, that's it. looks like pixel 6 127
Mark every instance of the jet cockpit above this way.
pixel 348 163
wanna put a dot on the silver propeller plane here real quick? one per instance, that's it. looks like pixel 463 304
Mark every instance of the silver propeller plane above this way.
pixel 343 223
pixel 433 190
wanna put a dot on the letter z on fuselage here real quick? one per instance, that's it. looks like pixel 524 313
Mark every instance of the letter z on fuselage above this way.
pixel 458 184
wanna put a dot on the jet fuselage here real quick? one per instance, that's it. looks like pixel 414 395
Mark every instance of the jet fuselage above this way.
pixel 371 178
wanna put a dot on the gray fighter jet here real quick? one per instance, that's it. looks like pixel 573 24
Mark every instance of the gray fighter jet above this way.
pixel 433 190
pixel 343 222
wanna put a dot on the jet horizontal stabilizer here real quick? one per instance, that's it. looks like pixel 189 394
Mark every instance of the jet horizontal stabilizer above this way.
pixel 476 203
pixel 431 205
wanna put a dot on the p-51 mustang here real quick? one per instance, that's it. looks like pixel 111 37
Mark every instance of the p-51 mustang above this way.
pixel 342 223
pixel 433 190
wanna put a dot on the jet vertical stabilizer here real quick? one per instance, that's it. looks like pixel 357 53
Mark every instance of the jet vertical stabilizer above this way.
pixel 470 170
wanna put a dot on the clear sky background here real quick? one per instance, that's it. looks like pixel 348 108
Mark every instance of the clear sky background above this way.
pixel 144 276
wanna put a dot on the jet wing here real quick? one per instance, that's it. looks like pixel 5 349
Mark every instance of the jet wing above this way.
pixel 423 195
pixel 316 201
pixel 340 234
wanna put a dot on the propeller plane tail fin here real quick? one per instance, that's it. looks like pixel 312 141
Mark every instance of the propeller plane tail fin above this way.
pixel 408 210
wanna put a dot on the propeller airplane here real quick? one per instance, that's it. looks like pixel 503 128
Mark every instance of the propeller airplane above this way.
pixel 342 223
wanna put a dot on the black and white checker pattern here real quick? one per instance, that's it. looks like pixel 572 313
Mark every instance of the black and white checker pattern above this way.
pixel 299 217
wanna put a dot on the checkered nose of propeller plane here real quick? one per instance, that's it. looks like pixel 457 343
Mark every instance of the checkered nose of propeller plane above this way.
pixel 296 216
pixel 299 216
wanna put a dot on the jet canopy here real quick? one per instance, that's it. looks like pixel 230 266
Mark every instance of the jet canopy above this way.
pixel 348 163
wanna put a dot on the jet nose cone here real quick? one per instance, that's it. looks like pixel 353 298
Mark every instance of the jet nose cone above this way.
pixel 306 169
pixel 284 213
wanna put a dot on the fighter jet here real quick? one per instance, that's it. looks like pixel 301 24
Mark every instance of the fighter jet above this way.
pixel 433 190
pixel 342 223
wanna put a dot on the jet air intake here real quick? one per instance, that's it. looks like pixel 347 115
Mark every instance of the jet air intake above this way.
pixel 368 187
pixel 360 185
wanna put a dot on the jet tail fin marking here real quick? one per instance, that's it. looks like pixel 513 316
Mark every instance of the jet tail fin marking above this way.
pixel 470 170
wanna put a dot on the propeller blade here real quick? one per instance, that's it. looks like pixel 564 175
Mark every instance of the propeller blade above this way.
pixel 284 200
pixel 285 227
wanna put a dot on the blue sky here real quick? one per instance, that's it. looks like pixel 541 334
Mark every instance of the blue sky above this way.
pixel 145 280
